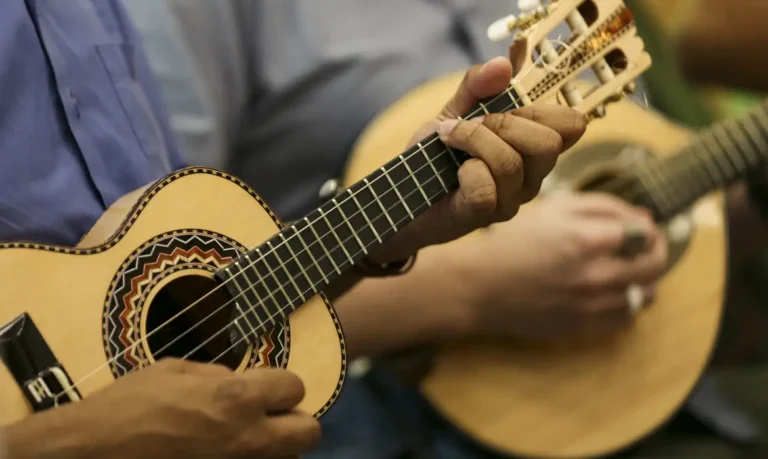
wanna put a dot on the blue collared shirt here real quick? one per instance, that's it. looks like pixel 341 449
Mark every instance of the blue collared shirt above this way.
pixel 81 122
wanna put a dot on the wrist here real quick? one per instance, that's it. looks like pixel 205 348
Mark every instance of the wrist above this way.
pixel 48 435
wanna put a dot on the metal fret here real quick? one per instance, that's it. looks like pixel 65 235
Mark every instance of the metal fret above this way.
pixel 727 147
pixel 327 253
pixel 383 210
pixel 721 162
pixel 311 256
pixel 415 180
pixel 301 267
pixel 408 209
pixel 277 281
pixel 749 125
pixel 241 293
pixel 484 108
pixel 336 236
pixel 287 273
pixel 239 328
pixel 453 155
pixel 734 132
pixel 512 97
pixel 429 161
pixel 242 314
pixel 650 171
pixel 349 225
pixel 360 208
pixel 255 293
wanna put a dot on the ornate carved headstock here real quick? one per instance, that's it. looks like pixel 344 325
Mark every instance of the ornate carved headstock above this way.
pixel 603 39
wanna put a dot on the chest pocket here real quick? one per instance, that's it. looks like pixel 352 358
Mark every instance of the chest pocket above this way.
pixel 119 60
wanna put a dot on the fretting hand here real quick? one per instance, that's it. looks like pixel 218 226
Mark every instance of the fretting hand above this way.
pixel 512 153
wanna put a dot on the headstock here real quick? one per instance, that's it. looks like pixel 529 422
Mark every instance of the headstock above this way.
pixel 603 38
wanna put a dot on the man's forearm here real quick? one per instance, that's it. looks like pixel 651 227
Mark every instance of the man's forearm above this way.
pixel 426 305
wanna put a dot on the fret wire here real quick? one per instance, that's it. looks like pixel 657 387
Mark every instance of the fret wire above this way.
pixel 236 322
pixel 512 98
pixel 745 134
pixel 282 264
pixel 408 209
pixel 484 108
pixel 723 161
pixel 652 190
pixel 357 203
pixel 753 133
pixel 300 265
pixel 243 294
pixel 706 162
pixel 239 288
pixel 453 155
pixel 311 256
pixel 429 161
pixel 736 134
pixel 709 159
pixel 252 267
pixel 322 244
pixel 271 272
pixel 242 314
pixel 658 186
pixel 760 121
pixel 376 198
pixel 415 180
pixel 332 230
pixel 702 173
pixel 728 148
pixel 349 225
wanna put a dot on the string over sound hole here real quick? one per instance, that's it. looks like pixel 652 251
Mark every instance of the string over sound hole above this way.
pixel 189 318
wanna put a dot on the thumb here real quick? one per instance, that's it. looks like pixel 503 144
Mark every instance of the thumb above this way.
pixel 479 82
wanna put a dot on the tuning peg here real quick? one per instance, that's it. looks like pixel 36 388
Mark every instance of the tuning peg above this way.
pixel 528 5
pixel 599 111
pixel 630 88
pixel 502 29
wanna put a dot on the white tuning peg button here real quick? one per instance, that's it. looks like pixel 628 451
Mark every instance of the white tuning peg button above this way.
pixel 528 5
pixel 502 29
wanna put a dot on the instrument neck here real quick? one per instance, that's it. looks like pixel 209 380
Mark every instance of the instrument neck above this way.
pixel 301 259
pixel 721 155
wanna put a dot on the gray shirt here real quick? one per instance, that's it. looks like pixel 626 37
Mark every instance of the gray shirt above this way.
pixel 277 91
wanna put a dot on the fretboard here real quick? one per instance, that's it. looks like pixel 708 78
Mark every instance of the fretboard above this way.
pixel 720 155
pixel 272 280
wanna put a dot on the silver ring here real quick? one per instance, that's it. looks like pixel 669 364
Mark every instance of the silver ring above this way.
pixel 635 298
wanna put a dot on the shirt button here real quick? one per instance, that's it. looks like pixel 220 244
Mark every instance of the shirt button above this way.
pixel 75 105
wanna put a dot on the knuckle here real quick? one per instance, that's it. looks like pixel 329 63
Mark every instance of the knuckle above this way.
pixel 511 163
pixel 474 131
pixel 232 392
pixel 481 198
pixel 595 281
pixel 497 122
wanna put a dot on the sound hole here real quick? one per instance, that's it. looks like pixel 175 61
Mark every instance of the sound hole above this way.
pixel 202 332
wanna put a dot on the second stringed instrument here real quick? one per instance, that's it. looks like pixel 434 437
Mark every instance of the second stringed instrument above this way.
pixel 593 399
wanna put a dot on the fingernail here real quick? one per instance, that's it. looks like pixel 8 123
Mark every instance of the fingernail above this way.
pixel 446 127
